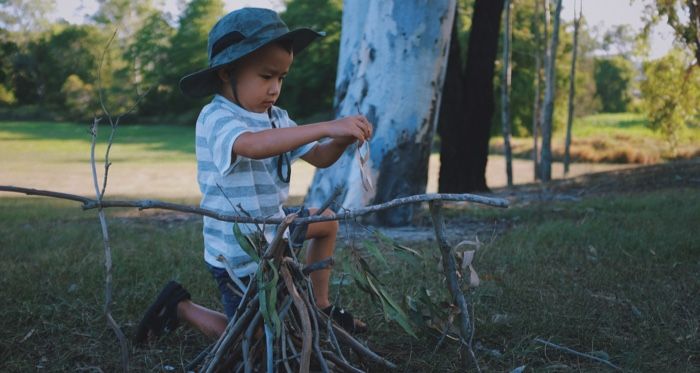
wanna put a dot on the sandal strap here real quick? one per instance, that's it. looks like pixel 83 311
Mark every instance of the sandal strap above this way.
pixel 161 316
pixel 170 320
pixel 340 315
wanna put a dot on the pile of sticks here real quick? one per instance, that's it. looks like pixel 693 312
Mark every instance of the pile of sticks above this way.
pixel 277 326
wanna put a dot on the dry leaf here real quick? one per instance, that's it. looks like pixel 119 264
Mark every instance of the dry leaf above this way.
pixel 364 170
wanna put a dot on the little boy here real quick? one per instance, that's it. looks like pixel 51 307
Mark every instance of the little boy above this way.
pixel 244 146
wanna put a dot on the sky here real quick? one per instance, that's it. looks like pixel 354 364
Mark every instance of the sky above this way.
pixel 602 13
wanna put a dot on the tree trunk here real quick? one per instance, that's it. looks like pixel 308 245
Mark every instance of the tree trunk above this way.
pixel 505 94
pixel 465 145
pixel 452 112
pixel 572 91
pixel 546 166
pixel 537 102
pixel 392 63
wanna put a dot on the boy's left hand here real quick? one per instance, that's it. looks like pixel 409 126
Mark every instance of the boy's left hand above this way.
pixel 347 130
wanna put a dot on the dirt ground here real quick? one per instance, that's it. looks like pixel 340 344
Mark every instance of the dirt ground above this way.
pixel 673 175
pixel 177 179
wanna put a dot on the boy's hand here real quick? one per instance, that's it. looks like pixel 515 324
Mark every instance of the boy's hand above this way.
pixel 350 129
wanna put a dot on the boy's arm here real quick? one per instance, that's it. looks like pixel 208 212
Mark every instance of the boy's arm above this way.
pixel 272 142
pixel 325 154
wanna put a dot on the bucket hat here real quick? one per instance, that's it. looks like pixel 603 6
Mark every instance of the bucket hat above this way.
pixel 237 35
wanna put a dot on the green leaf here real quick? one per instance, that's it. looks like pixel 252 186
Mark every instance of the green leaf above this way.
pixel 408 258
pixel 384 238
pixel 245 243
pixel 272 303
pixel 406 249
pixel 365 267
pixel 374 250
pixel 359 280
pixel 392 310
pixel 262 297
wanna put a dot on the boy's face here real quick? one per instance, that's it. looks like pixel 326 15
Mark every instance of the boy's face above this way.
pixel 259 78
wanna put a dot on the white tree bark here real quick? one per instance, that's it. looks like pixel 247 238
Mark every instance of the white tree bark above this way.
pixel 572 88
pixel 547 113
pixel 391 68
pixel 505 92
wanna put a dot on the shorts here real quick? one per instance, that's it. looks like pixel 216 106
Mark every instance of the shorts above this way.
pixel 231 295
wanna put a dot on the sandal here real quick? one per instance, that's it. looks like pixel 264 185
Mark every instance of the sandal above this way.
pixel 345 319
pixel 161 316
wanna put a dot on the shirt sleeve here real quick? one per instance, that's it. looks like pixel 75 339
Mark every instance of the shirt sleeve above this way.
pixel 302 150
pixel 222 135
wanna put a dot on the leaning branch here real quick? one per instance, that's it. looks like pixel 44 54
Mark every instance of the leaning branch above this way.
pixel 89 203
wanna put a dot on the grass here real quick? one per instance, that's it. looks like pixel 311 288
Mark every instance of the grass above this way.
pixel 617 276
pixel 612 138
pixel 142 143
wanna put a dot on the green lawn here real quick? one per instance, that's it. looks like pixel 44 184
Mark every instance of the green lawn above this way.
pixel 616 275
pixel 71 141
pixel 612 138
pixel 613 275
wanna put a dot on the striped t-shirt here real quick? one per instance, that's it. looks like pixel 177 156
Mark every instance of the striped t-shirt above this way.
pixel 254 184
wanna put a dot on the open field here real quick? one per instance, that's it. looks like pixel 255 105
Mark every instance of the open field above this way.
pixel 607 264
pixel 612 138
pixel 158 161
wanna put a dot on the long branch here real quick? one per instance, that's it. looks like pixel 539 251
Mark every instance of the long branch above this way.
pixel 144 204
pixel 450 269
pixel 108 258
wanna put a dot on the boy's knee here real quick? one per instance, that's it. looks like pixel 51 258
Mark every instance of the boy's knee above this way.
pixel 333 224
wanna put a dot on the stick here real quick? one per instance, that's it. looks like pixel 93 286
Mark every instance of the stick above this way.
pixel 89 204
pixel 234 333
pixel 285 360
pixel 342 364
pixel 303 315
pixel 276 248
pixel 344 337
pixel 108 258
pixel 317 348
pixel 247 359
pixel 566 349
pixel 450 269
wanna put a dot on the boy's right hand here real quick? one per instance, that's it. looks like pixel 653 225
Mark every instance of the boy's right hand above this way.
pixel 350 129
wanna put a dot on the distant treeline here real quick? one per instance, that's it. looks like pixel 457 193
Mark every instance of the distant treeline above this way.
pixel 50 70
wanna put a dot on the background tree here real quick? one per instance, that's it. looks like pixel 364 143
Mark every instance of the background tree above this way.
pixel 8 50
pixel 25 18
pixel 402 101
pixel 687 30
pixel 189 53
pixel 464 143
pixel 43 66
pixel 147 60
pixel 613 77
pixel 309 87
pixel 505 90
pixel 548 105
pixel 572 86
pixel 670 95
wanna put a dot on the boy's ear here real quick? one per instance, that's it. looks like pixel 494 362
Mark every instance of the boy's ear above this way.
pixel 223 74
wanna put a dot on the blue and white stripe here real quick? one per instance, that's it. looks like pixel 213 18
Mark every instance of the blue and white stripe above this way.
pixel 225 182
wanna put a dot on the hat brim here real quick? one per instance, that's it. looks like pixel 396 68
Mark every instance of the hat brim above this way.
pixel 206 82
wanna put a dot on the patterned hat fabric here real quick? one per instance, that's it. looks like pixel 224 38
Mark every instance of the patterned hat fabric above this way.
pixel 237 35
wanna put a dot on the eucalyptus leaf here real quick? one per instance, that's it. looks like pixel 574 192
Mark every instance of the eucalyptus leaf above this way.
pixel 245 243
pixel 374 250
